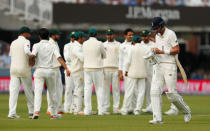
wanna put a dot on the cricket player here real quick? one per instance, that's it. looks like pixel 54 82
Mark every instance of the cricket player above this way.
pixel 68 98
pixel 135 70
pixel 44 53
pixel 77 73
pixel 111 65
pixel 123 53
pixel 145 36
pixel 165 73
pixel 94 54
pixel 54 37
pixel 20 72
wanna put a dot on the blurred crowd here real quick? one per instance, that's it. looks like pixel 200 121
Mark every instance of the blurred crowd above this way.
pixel 190 3
pixel 5 59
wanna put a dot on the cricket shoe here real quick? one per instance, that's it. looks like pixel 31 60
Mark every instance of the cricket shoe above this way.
pixel 61 112
pixel 137 112
pixel 30 116
pixel 82 113
pixel 171 112
pixel 14 116
pixel 155 122
pixel 187 117
pixel 36 115
pixel 55 117
pixel 123 112
pixel 104 113
pixel 147 110
pixel 116 111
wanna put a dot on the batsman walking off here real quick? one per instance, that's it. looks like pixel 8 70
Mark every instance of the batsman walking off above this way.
pixel 165 73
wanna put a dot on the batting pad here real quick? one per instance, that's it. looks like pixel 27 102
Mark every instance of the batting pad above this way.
pixel 178 101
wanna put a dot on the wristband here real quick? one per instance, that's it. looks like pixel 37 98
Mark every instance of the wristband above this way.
pixel 167 52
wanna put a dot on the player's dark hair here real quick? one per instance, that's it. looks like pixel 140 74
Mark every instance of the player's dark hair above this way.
pixel 44 33
pixel 128 30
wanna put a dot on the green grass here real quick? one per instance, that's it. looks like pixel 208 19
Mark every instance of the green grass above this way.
pixel 200 106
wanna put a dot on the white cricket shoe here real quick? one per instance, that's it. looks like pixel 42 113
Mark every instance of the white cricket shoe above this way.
pixel 123 113
pixel 55 117
pixel 171 112
pixel 187 117
pixel 155 122
pixel 137 112
pixel 147 110
pixel 14 116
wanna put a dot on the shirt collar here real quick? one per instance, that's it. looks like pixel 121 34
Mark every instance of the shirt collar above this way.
pixel 126 42
pixel 43 41
pixel 21 37
pixel 164 34
pixel 93 38
pixel 77 43
pixel 52 41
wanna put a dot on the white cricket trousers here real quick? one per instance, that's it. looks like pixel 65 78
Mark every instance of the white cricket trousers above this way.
pixel 96 78
pixel 131 84
pixel 14 87
pixel 147 90
pixel 59 91
pixel 163 75
pixel 68 97
pixel 111 78
pixel 41 76
pixel 132 105
pixel 78 91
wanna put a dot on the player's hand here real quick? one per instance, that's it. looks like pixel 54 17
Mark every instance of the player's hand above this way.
pixel 157 51
pixel 68 72
pixel 120 75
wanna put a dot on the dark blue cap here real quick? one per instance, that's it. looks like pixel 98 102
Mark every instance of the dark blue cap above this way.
pixel 157 22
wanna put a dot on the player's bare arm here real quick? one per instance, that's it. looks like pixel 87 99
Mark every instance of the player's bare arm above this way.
pixel 32 60
pixel 61 61
pixel 174 50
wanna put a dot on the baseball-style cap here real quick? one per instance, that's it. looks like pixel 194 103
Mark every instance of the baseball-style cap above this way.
pixel 79 34
pixel 54 32
pixel 92 31
pixel 110 31
pixel 144 33
pixel 136 39
pixel 72 34
pixel 157 22
pixel 24 29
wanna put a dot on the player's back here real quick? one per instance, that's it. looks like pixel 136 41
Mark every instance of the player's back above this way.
pixel 45 53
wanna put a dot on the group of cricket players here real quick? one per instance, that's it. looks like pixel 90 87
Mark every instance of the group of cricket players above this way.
pixel 146 63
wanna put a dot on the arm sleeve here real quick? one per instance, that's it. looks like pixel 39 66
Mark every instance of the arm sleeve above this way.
pixel 78 53
pixel 66 54
pixel 120 58
pixel 127 60
pixel 173 40
pixel 56 53
pixel 27 48
pixel 103 52
pixel 35 50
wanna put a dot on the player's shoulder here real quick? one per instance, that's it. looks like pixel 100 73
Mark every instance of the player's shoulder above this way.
pixel 170 32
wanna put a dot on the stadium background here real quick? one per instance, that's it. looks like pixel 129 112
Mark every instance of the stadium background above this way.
pixel 189 18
